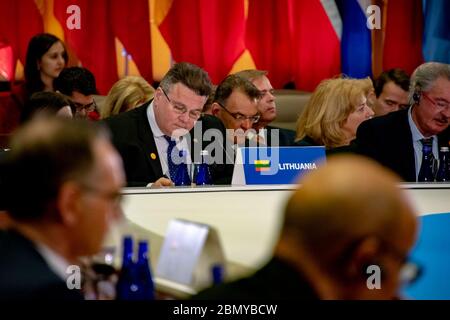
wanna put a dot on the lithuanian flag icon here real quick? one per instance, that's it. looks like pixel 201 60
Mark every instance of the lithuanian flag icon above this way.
pixel 262 165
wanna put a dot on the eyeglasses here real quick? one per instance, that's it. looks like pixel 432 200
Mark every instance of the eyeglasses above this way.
pixel 440 104
pixel 410 270
pixel 193 114
pixel 239 116
pixel 113 196
pixel 90 107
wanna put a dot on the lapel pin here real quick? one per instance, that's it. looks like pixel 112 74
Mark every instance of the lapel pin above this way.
pixel 153 156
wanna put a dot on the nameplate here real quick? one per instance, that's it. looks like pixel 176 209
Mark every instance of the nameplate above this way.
pixel 189 251
pixel 275 165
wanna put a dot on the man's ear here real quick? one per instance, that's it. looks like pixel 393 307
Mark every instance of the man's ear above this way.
pixel 215 109
pixel 158 93
pixel 365 254
pixel 68 203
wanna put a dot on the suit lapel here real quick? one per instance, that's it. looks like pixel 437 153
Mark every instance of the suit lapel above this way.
pixel 148 142
pixel 444 138
pixel 405 146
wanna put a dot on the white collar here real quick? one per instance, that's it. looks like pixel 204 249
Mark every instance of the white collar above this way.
pixel 54 260
pixel 152 120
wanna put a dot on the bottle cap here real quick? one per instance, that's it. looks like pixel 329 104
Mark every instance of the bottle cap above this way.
pixel 217 273
pixel 444 149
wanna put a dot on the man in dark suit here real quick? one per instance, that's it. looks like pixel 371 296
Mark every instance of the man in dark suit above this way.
pixel 268 111
pixel 334 235
pixel 79 84
pixel 62 190
pixel 395 139
pixel 236 105
pixel 391 91
pixel 142 135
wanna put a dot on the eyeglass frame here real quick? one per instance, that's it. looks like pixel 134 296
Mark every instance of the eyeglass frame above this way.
pixel 182 110
pixel 113 196
pixel 239 116
pixel 406 262
pixel 80 107
pixel 436 104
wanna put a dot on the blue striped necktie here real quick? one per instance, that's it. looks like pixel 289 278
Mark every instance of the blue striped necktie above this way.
pixel 171 165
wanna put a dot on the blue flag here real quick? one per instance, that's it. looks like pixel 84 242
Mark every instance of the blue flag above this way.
pixel 436 42
pixel 356 45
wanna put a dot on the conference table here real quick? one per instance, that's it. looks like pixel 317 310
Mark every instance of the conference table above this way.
pixel 247 220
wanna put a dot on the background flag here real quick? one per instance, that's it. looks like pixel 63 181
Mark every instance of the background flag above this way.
pixel 437 31
pixel 356 42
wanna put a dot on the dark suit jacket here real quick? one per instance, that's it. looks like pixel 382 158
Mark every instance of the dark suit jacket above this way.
pixel 133 138
pixel 307 141
pixel 3 169
pixel 277 280
pixel 24 274
pixel 388 139
pixel 286 136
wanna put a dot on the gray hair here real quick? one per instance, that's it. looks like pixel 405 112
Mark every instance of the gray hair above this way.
pixel 425 75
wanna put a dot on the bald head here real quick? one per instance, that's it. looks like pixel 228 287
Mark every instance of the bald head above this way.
pixel 346 201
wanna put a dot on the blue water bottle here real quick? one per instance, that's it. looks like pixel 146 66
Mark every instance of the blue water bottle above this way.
pixel 127 286
pixel 217 271
pixel 182 176
pixel 145 281
pixel 443 174
pixel 203 175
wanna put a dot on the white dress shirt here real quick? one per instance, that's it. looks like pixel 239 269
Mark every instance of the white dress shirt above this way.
pixel 161 142
pixel 55 262
pixel 416 137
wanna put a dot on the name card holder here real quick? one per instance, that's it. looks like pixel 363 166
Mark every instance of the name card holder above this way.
pixel 189 252
pixel 275 165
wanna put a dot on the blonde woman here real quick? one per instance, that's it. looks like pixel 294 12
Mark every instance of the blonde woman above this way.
pixel 332 115
pixel 126 94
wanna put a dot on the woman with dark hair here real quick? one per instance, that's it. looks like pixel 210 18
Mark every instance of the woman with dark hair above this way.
pixel 46 58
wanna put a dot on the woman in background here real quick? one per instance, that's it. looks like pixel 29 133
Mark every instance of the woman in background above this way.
pixel 333 113
pixel 126 94
pixel 46 58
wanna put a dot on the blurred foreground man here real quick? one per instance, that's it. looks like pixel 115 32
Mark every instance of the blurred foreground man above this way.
pixel 63 186
pixel 346 220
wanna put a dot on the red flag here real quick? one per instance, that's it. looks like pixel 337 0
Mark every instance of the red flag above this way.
pixel 403 39
pixel 131 24
pixel 268 38
pixel 13 29
pixel 207 33
pixel 93 43
pixel 316 45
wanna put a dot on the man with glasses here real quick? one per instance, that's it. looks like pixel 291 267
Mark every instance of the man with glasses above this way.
pixel 236 104
pixel 147 136
pixel 79 84
pixel 266 134
pixel 62 191
pixel 336 240
pixel 397 139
